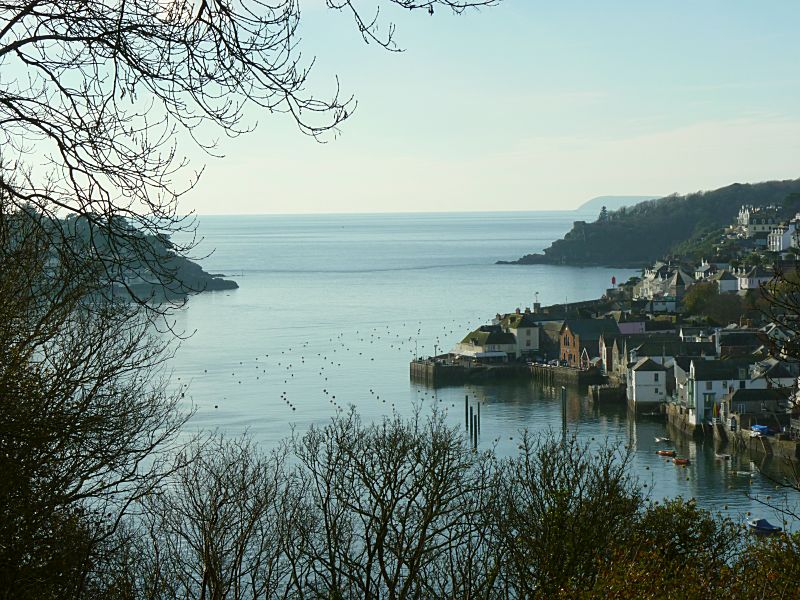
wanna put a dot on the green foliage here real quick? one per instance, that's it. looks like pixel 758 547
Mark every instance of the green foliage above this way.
pixel 656 228
pixel 563 505
pixel 704 299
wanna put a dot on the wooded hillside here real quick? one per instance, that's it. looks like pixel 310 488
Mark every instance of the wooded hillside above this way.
pixel 653 229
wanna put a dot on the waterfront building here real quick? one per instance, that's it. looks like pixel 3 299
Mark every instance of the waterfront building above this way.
pixel 488 343
pixel 647 385
pixel 525 329
pixel 579 339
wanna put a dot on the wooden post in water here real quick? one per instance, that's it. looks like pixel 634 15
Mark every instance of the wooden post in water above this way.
pixel 563 413
pixel 479 418
pixel 466 412
pixel 471 423
pixel 475 431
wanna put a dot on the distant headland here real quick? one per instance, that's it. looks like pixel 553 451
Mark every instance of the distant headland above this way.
pixel 684 225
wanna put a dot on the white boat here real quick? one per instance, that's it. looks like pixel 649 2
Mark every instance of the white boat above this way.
pixel 663 439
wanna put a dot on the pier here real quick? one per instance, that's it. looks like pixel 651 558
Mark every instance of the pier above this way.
pixel 440 371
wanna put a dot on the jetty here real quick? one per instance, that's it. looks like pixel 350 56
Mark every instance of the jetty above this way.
pixel 447 370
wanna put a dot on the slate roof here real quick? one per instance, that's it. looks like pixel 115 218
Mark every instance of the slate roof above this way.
pixel 648 364
pixel 681 278
pixel 720 370
pixel 515 321
pixel 760 395
pixel 488 334
pixel 675 348
pixel 590 329
pixel 740 338
pixel 758 272
pixel 725 275
pixel 777 370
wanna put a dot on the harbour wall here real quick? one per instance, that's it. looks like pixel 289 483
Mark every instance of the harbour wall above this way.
pixel 441 373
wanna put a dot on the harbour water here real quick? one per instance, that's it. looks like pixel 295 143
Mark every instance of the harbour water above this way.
pixel 331 309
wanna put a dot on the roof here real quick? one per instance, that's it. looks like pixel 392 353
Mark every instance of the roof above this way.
pixel 692 330
pixel 725 275
pixel 648 364
pixel 749 338
pixel 720 370
pixel 760 395
pixel 776 370
pixel 552 328
pixel 758 272
pixel 515 321
pixel 675 348
pixel 590 329
pixel 488 334
pixel 681 278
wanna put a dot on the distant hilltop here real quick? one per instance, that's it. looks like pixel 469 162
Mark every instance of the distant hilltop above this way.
pixel 612 202
pixel 674 225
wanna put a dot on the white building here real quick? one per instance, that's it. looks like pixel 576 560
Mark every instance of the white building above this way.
pixel 708 381
pixel 752 279
pixel 488 342
pixel 524 328
pixel 755 220
pixel 647 384
pixel 780 238
pixel 726 281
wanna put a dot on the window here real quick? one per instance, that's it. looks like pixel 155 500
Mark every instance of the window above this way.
pixel 709 385
pixel 655 378
pixel 741 385
pixel 656 390
pixel 528 343
pixel 528 332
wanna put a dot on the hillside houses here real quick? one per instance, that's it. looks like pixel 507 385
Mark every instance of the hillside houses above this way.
pixel 753 221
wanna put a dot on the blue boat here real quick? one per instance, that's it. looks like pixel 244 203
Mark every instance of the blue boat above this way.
pixel 763 526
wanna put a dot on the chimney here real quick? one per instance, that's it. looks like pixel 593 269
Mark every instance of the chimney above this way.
pixel 518 311
pixel 527 310
pixel 536 308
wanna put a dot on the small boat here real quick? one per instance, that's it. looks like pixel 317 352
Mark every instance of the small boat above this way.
pixel 663 439
pixel 745 473
pixel 763 527
pixel 681 461
pixel 666 452
pixel 722 456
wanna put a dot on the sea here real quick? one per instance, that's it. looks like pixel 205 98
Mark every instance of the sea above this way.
pixel 331 309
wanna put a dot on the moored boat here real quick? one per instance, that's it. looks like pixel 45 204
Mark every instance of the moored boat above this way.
pixel 763 527
pixel 681 461
pixel 665 452
pixel 663 439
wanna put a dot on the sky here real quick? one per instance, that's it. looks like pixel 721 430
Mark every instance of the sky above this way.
pixel 528 106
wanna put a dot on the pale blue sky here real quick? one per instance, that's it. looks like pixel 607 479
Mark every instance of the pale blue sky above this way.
pixel 531 106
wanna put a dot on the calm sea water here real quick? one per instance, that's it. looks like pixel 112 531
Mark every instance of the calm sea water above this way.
pixel 332 308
